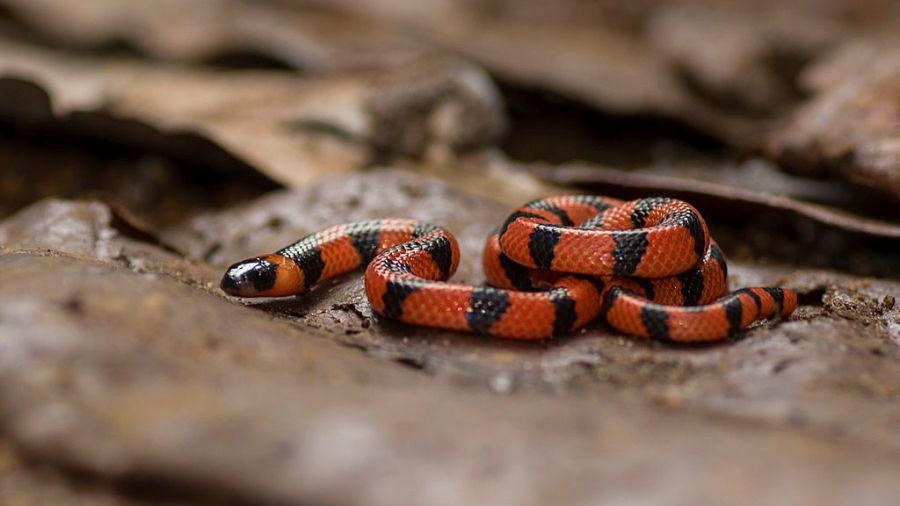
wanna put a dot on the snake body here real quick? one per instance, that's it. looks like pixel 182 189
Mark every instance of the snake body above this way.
pixel 647 266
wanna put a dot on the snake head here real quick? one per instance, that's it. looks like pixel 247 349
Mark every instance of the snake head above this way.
pixel 265 276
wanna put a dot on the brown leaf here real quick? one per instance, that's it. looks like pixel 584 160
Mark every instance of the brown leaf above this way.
pixel 738 199
pixel 220 32
pixel 291 128
pixel 742 58
pixel 636 58
pixel 849 127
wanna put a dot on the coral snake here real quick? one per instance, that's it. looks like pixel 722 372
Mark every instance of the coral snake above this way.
pixel 647 266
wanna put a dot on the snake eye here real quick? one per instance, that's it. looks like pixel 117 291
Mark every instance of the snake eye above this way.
pixel 250 278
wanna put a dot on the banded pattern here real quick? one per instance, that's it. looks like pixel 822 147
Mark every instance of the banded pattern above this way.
pixel 648 238
pixel 648 266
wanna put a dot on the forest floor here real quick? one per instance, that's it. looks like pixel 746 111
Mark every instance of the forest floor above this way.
pixel 147 145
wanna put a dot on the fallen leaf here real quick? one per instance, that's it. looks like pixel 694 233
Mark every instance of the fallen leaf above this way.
pixel 849 127
pixel 293 129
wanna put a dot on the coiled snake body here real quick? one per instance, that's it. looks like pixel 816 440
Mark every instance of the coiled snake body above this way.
pixel 648 266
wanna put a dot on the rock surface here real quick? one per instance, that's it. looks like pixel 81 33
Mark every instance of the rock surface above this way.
pixel 115 371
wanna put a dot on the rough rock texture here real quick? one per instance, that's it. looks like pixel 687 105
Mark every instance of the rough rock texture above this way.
pixel 92 230
pixel 115 370
pixel 244 407
pixel 594 355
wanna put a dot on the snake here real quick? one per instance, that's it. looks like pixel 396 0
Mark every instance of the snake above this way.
pixel 648 267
